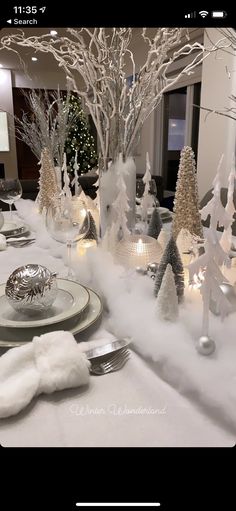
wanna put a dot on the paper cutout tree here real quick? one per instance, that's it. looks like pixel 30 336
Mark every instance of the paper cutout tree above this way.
pixel 186 202
pixel 146 200
pixel 171 256
pixel 226 238
pixel 214 256
pixel 120 208
pixel 48 187
pixel 167 299
pixel 66 179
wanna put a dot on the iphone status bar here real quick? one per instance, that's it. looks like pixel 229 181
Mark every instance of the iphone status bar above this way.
pixel 46 15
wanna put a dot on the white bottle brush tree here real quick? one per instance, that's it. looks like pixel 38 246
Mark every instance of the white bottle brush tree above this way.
pixel 209 263
pixel 167 299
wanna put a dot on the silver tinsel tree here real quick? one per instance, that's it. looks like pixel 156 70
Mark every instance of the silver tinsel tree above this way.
pixel 171 256
pixel 48 187
pixel 186 202
pixel 155 224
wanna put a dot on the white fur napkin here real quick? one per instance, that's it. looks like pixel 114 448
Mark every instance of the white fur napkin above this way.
pixel 51 362
pixel 3 242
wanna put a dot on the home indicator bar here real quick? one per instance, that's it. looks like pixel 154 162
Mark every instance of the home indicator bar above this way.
pixel 118 504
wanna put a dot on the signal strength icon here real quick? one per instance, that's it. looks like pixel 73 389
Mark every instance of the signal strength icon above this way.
pixel 190 15
pixel 203 14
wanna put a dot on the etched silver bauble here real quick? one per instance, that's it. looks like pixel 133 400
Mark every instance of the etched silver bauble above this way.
pixel 152 269
pixel 31 289
pixel 205 345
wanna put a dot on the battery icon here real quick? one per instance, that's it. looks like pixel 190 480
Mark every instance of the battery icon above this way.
pixel 218 14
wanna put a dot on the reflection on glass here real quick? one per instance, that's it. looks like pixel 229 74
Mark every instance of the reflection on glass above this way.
pixel 176 134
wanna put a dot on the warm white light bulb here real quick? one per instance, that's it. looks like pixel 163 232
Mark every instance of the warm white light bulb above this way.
pixel 53 32
pixel 140 247
pixel 34 59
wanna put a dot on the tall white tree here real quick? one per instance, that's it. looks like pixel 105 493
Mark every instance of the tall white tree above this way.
pixel 66 180
pixel 226 238
pixel 167 300
pixel 210 289
pixel 75 181
pixel 214 256
pixel 121 207
pixel 146 200
pixel 214 208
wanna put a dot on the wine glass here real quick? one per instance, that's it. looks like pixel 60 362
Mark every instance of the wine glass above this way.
pixel 10 191
pixel 68 224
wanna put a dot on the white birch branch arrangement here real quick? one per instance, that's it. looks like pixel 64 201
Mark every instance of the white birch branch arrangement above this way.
pixel 99 58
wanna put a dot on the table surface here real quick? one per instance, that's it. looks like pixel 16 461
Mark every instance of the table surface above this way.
pixel 131 407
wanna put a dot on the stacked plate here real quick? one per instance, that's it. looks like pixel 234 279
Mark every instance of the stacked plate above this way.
pixel 166 214
pixel 75 309
pixel 10 229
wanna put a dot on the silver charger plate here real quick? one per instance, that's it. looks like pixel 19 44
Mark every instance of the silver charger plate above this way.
pixel 71 300
pixel 10 338
pixel 107 349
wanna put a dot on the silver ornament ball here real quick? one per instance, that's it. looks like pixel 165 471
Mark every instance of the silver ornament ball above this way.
pixel 31 289
pixel 152 267
pixel 205 345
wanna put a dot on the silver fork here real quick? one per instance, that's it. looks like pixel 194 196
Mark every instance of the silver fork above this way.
pixel 113 364
pixel 20 243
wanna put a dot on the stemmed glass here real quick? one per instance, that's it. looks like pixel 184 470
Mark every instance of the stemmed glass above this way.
pixel 68 224
pixel 10 191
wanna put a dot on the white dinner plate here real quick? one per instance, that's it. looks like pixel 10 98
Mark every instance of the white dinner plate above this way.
pixel 14 229
pixel 10 338
pixel 71 300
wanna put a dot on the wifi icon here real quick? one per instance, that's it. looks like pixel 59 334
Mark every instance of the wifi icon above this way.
pixel 203 14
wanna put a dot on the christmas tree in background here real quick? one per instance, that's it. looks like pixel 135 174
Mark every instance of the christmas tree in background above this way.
pixel 80 139
pixel 171 256
pixel 186 202
pixel 92 232
pixel 48 187
pixel 167 300
pixel 155 224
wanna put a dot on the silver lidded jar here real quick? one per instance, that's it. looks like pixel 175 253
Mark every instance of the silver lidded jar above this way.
pixel 31 289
